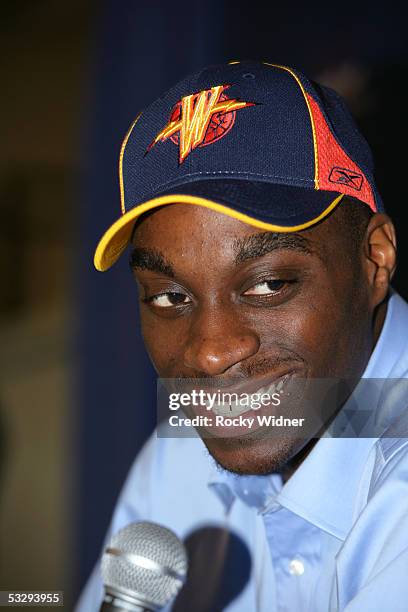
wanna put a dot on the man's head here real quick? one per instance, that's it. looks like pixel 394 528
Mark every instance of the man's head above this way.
pixel 261 247
pixel 222 299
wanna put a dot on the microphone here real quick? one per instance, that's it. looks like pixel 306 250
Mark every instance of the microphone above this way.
pixel 143 568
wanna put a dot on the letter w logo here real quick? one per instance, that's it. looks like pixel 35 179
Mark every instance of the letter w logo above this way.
pixel 191 118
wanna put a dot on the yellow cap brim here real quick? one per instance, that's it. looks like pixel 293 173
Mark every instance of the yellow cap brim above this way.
pixel 117 237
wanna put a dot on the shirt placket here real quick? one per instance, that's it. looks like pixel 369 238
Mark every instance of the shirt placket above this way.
pixel 295 550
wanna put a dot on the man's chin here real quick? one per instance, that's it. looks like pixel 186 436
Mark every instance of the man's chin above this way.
pixel 257 457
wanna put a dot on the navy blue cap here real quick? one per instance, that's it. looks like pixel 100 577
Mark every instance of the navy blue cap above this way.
pixel 256 141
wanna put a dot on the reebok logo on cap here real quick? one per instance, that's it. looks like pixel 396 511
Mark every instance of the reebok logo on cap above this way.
pixel 346 177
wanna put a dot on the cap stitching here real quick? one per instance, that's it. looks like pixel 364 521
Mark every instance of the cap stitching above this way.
pixel 316 155
pixel 121 155
pixel 249 209
pixel 177 182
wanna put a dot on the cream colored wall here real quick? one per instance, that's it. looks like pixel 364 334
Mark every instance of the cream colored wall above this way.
pixel 37 472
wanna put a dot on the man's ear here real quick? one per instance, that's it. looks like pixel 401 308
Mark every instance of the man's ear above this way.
pixel 380 255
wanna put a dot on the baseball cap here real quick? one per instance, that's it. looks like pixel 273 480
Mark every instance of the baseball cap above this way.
pixel 256 141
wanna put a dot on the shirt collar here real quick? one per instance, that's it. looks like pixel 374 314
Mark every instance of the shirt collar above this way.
pixel 324 488
pixel 389 358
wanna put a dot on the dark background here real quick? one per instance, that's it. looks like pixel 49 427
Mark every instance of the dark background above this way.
pixel 76 389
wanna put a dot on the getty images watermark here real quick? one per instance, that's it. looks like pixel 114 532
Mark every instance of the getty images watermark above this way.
pixel 211 400
pixel 230 409
pixel 218 412
pixel 291 406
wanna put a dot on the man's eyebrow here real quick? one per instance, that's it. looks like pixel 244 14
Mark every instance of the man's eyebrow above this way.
pixel 258 245
pixel 150 259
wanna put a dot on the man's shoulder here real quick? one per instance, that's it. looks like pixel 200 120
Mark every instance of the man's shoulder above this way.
pixel 168 483
pixel 165 469
pixel 375 551
pixel 162 453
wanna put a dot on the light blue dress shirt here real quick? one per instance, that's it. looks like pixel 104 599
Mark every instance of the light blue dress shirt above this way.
pixel 334 537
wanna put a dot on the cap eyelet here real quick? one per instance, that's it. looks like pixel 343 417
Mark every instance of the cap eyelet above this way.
pixel 248 75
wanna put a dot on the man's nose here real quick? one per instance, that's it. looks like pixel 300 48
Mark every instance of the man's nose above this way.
pixel 218 342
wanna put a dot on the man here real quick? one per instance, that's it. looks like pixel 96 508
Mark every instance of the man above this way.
pixel 263 256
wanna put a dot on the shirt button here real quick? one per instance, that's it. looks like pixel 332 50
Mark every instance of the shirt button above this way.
pixel 296 567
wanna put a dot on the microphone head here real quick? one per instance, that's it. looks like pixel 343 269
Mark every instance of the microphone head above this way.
pixel 145 562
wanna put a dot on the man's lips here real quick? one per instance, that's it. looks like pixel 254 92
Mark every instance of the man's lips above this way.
pixel 221 396
pixel 248 423
pixel 255 384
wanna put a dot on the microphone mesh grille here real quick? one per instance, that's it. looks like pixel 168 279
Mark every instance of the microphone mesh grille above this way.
pixel 155 543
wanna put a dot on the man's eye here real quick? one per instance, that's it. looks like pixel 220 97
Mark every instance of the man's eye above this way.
pixel 268 287
pixel 166 300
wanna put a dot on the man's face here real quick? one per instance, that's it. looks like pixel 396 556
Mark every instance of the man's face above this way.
pixel 225 300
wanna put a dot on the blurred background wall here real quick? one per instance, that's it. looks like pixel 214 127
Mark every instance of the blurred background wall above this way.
pixel 44 50
pixel 76 388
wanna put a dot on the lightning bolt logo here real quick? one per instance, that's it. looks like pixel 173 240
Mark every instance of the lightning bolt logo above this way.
pixel 200 119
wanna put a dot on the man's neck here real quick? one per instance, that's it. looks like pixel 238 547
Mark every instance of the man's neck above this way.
pixel 379 318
